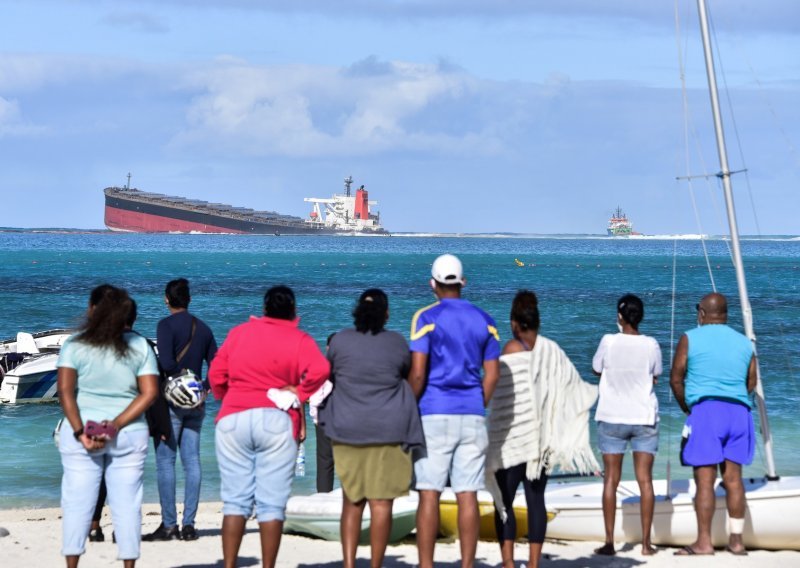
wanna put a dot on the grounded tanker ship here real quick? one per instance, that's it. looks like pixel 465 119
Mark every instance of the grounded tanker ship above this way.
pixel 132 210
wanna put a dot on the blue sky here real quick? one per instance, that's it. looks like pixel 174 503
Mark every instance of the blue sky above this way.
pixel 458 116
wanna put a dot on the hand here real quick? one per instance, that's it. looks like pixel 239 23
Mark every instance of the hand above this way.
pixel 105 430
pixel 91 444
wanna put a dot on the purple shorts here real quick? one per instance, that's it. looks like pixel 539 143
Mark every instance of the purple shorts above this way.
pixel 718 431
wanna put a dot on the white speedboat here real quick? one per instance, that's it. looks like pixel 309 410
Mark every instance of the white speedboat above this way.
pixel 319 515
pixel 28 366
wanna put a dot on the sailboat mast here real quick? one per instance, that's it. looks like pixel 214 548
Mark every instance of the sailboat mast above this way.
pixel 725 175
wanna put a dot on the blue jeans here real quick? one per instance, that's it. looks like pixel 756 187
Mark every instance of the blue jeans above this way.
pixel 122 463
pixel 186 424
pixel 256 453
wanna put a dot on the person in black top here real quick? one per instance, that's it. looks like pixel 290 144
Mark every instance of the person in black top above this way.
pixel 324 452
pixel 184 342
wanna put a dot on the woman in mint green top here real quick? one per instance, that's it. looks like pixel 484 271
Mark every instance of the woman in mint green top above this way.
pixel 115 374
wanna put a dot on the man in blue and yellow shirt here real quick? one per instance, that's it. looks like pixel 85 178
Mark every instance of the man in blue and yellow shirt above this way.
pixel 452 341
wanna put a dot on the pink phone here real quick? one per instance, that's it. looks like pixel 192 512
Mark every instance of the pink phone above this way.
pixel 100 429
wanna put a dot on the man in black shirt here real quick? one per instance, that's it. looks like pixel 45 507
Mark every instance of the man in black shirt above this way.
pixel 184 342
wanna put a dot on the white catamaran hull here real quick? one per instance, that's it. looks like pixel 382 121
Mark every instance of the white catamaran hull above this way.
pixel 319 515
pixel 771 522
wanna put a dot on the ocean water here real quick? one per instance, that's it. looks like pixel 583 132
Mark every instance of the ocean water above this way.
pixel 45 280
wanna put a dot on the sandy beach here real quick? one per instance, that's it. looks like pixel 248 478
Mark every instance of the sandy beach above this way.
pixel 35 540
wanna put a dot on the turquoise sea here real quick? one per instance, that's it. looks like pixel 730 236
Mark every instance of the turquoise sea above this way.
pixel 45 280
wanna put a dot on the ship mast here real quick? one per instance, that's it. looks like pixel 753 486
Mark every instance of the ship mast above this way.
pixel 725 176
pixel 129 181
pixel 348 181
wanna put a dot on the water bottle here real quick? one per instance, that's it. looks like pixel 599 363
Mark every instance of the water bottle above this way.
pixel 300 462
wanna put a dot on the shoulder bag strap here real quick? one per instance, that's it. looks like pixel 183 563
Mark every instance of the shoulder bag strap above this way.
pixel 191 337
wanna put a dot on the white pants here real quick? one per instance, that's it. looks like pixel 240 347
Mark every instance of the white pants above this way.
pixel 122 463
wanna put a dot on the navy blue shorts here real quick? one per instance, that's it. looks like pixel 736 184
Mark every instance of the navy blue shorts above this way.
pixel 718 431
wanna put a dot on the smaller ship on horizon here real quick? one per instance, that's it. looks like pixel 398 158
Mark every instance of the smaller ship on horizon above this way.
pixel 619 225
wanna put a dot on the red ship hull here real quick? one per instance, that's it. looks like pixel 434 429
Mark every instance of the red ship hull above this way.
pixel 138 222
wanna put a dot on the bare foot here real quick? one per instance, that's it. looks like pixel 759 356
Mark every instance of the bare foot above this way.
pixel 648 550
pixel 606 550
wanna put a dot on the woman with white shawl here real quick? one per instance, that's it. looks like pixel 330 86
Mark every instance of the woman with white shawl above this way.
pixel 538 420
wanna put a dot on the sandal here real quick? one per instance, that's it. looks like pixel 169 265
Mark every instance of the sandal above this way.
pixel 96 535
pixel 740 552
pixel 689 551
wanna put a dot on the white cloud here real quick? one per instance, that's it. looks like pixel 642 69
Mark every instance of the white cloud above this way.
pixel 316 110
pixel 12 122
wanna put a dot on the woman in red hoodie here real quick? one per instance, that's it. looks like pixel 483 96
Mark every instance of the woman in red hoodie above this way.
pixel 256 441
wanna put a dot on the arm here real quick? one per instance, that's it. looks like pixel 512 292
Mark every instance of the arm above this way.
pixel 302 423
pixel 657 368
pixel 165 340
pixel 148 392
pixel 211 351
pixel 677 375
pixel 418 375
pixel 491 373
pixel 512 347
pixel 313 369
pixel 67 378
pixel 597 360
pixel 218 371
pixel 752 374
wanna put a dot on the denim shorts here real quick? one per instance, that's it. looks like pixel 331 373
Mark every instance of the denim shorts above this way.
pixel 455 447
pixel 614 438
pixel 256 453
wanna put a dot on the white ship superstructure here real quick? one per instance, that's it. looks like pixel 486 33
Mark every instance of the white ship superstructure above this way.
pixel 345 212
pixel 619 224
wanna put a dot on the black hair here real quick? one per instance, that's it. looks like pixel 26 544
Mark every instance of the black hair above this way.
pixel 98 293
pixel 525 310
pixel 177 293
pixel 132 314
pixel 631 309
pixel 279 303
pixel 371 311
pixel 330 337
pixel 107 319
pixel 455 287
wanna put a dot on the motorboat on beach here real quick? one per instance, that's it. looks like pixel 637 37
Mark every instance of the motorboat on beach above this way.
pixel 319 515
pixel 28 366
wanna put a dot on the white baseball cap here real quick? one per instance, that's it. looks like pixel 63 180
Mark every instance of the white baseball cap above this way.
pixel 447 269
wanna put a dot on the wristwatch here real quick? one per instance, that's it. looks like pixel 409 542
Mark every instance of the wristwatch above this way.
pixel 78 433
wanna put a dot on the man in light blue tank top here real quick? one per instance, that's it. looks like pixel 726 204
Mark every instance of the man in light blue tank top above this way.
pixel 713 374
